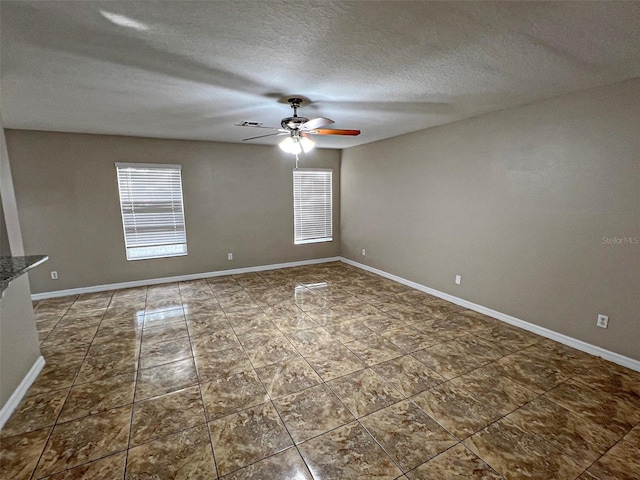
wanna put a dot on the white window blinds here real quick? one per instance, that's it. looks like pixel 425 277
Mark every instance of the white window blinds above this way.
pixel 312 206
pixel 152 211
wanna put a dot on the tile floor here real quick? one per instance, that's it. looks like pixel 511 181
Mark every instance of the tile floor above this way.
pixel 323 372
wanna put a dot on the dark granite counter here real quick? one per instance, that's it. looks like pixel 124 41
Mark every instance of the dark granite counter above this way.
pixel 12 267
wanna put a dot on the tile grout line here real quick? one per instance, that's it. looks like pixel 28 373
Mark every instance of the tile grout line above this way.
pixel 133 400
pixel 204 407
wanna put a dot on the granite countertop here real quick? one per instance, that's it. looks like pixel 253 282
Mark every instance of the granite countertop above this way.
pixel 12 267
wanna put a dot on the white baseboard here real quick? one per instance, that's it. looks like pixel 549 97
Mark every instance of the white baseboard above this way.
pixel 19 393
pixel 178 278
pixel 545 332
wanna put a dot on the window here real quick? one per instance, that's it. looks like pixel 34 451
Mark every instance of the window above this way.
pixel 312 206
pixel 152 213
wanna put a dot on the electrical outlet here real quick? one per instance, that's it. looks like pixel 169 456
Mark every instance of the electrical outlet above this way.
pixel 458 279
pixel 229 256
pixel 364 252
pixel 603 321
pixel 54 275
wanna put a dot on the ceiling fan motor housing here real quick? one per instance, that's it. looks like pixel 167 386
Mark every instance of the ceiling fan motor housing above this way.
pixel 293 123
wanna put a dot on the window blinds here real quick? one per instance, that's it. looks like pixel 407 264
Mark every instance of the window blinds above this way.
pixel 312 206
pixel 152 210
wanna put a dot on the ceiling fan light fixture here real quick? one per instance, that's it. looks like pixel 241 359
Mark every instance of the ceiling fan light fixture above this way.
pixel 291 145
pixel 307 144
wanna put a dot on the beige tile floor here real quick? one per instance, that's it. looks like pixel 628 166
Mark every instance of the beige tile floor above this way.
pixel 324 372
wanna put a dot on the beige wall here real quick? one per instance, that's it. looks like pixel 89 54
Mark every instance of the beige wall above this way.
pixel 518 203
pixel 238 198
pixel 18 336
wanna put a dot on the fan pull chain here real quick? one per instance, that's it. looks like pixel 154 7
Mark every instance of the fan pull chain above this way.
pixel 296 161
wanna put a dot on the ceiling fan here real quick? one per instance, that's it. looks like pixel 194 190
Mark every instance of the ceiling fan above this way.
pixel 298 129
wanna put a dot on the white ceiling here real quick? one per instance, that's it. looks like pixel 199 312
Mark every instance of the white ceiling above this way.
pixel 190 70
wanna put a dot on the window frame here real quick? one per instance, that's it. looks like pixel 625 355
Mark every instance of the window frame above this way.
pixel 299 237
pixel 139 250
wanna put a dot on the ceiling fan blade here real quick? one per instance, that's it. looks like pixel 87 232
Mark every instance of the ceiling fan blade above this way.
pixel 262 136
pixel 246 124
pixel 334 131
pixel 316 123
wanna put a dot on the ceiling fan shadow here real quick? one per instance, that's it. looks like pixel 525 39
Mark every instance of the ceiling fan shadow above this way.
pixel 113 47
pixel 430 108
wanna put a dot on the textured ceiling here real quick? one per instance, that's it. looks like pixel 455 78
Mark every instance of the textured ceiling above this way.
pixel 191 70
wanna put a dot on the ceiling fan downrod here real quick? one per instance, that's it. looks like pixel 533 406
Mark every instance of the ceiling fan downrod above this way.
pixel 295 104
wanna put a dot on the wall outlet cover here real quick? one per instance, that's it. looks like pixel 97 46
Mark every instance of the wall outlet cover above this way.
pixel 603 321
